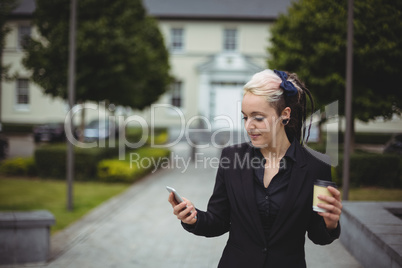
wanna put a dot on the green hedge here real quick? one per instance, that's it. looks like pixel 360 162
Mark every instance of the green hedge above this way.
pixel 114 170
pixel 370 169
pixel 17 128
pixel 372 138
pixel 360 138
pixel 368 138
pixel 94 163
pixel 134 135
pixel 19 166
pixel 51 160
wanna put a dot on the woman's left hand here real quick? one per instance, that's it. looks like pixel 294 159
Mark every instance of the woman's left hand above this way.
pixel 334 208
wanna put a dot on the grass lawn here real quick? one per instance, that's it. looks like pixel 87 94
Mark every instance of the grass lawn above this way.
pixel 375 194
pixel 21 194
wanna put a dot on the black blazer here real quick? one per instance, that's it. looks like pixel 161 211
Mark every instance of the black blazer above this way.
pixel 232 207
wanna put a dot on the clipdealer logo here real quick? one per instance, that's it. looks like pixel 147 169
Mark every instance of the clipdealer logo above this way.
pixel 330 128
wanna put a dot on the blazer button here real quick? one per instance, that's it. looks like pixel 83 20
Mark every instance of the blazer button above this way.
pixel 264 250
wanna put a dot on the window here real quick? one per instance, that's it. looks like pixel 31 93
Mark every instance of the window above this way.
pixel 24 31
pixel 176 93
pixel 177 39
pixel 22 94
pixel 230 40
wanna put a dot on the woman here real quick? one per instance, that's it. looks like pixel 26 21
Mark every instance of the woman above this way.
pixel 263 190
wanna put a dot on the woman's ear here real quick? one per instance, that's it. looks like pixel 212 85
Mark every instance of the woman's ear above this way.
pixel 286 113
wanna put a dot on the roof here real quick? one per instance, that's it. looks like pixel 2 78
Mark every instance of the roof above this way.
pixel 24 9
pixel 197 9
pixel 217 9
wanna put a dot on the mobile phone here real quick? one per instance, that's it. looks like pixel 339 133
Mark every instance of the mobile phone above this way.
pixel 177 197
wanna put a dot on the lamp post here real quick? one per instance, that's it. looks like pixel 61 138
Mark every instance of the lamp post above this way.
pixel 348 103
pixel 71 100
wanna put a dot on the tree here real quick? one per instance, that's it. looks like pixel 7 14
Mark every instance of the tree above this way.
pixel 6 6
pixel 311 41
pixel 121 55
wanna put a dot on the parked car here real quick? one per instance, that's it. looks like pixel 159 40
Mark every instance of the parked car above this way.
pixel 3 146
pixel 100 129
pixel 50 132
pixel 394 145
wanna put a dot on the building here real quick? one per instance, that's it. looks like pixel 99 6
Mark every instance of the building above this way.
pixel 215 47
pixel 21 101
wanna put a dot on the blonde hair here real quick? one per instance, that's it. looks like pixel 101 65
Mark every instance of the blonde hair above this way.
pixel 267 83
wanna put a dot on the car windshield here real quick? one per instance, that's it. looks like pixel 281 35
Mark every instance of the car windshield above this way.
pixel 98 124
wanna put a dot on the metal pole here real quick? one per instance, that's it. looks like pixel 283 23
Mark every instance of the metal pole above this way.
pixel 71 101
pixel 348 103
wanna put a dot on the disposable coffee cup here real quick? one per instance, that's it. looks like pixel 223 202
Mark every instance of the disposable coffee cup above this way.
pixel 320 188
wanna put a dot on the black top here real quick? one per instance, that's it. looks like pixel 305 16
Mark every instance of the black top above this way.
pixel 269 199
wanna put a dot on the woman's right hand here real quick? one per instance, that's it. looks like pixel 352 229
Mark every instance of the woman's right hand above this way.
pixel 186 215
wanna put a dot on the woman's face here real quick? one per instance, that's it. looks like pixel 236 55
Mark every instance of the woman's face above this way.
pixel 260 120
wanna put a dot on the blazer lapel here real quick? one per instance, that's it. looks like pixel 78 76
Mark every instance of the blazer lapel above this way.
pixel 247 178
pixel 297 178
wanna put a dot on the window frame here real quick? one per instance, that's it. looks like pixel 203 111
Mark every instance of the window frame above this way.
pixel 176 94
pixel 24 30
pixel 22 94
pixel 230 39
pixel 177 39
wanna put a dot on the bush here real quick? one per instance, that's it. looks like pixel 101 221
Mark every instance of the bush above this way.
pixel 370 169
pixel 51 160
pixel 18 167
pixel 368 138
pixel 134 135
pixel 17 128
pixel 152 152
pixel 113 170
pixel 161 138
pixel 372 138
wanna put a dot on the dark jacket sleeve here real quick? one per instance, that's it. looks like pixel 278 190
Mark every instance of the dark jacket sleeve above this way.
pixel 216 220
pixel 317 230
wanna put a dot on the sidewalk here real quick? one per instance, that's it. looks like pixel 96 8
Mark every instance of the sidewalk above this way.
pixel 138 229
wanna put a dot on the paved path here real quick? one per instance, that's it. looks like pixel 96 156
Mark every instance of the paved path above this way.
pixel 138 229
